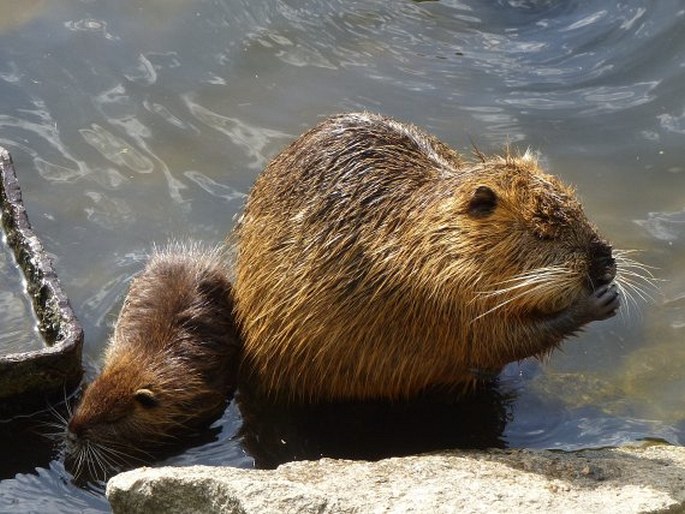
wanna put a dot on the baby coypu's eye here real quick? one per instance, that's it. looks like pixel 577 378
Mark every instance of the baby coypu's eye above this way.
pixel 146 398
pixel 483 202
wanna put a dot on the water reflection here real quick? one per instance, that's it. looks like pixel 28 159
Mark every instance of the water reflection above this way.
pixel 16 14
pixel 665 226
pixel 138 122
pixel 250 139
pixel 47 489
pixel 19 331
pixel 273 434
pixel 116 150
pixel 90 25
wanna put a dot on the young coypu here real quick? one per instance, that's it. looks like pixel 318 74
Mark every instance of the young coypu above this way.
pixel 373 261
pixel 170 365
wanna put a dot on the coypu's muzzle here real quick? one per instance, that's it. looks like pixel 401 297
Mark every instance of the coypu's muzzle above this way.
pixel 602 264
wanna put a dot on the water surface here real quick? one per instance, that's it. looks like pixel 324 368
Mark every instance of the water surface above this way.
pixel 134 122
pixel 19 332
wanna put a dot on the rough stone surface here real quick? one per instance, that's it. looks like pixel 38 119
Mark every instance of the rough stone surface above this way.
pixel 28 378
pixel 625 480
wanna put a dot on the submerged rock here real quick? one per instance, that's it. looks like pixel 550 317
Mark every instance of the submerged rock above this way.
pixel 627 480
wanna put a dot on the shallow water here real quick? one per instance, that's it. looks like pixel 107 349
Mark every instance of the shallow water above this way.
pixel 19 331
pixel 134 122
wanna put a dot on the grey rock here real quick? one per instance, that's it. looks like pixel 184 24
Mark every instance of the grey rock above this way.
pixel 28 378
pixel 626 480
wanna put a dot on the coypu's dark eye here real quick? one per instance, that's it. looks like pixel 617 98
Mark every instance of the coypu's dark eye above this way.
pixel 483 202
pixel 146 398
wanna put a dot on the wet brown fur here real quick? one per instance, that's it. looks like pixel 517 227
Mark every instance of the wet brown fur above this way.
pixel 171 361
pixel 375 261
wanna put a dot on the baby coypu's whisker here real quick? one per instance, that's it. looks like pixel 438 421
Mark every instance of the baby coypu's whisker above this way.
pixel 112 455
pixel 98 460
pixel 98 463
pixel 53 430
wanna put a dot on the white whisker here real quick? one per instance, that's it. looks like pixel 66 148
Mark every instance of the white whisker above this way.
pixel 537 288
pixel 539 272
pixel 636 282
pixel 530 279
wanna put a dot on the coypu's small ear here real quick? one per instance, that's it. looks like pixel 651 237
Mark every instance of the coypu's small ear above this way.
pixel 483 202
pixel 146 398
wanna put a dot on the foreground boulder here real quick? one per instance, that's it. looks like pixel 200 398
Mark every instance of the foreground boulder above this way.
pixel 627 480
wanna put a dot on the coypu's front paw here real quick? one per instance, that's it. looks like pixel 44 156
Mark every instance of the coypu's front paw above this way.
pixel 603 303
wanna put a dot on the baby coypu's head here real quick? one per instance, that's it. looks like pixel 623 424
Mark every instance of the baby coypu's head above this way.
pixel 169 367
pixel 138 402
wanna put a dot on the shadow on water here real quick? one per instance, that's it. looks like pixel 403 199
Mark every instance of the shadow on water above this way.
pixel 33 474
pixel 273 433
pixel 24 444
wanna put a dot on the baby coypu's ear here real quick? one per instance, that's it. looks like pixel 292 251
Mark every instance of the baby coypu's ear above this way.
pixel 483 202
pixel 146 398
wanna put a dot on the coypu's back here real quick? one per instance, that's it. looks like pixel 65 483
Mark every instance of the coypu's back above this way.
pixel 374 261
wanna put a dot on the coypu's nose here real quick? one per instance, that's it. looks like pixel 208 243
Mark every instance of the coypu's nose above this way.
pixel 603 265
pixel 74 428
pixel 72 438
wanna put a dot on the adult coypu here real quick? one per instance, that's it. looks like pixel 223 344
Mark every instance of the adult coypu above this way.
pixel 170 364
pixel 373 261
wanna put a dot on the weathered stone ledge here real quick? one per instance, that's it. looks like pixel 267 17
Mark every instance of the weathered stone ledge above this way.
pixel 625 480
pixel 28 378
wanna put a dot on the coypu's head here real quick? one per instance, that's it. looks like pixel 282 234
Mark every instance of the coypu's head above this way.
pixel 133 410
pixel 169 368
pixel 528 234
pixel 533 268
pixel 143 402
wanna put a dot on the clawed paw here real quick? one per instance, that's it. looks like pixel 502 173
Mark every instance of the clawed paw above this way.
pixel 604 302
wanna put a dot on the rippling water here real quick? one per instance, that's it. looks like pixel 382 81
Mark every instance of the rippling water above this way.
pixel 19 327
pixel 133 122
